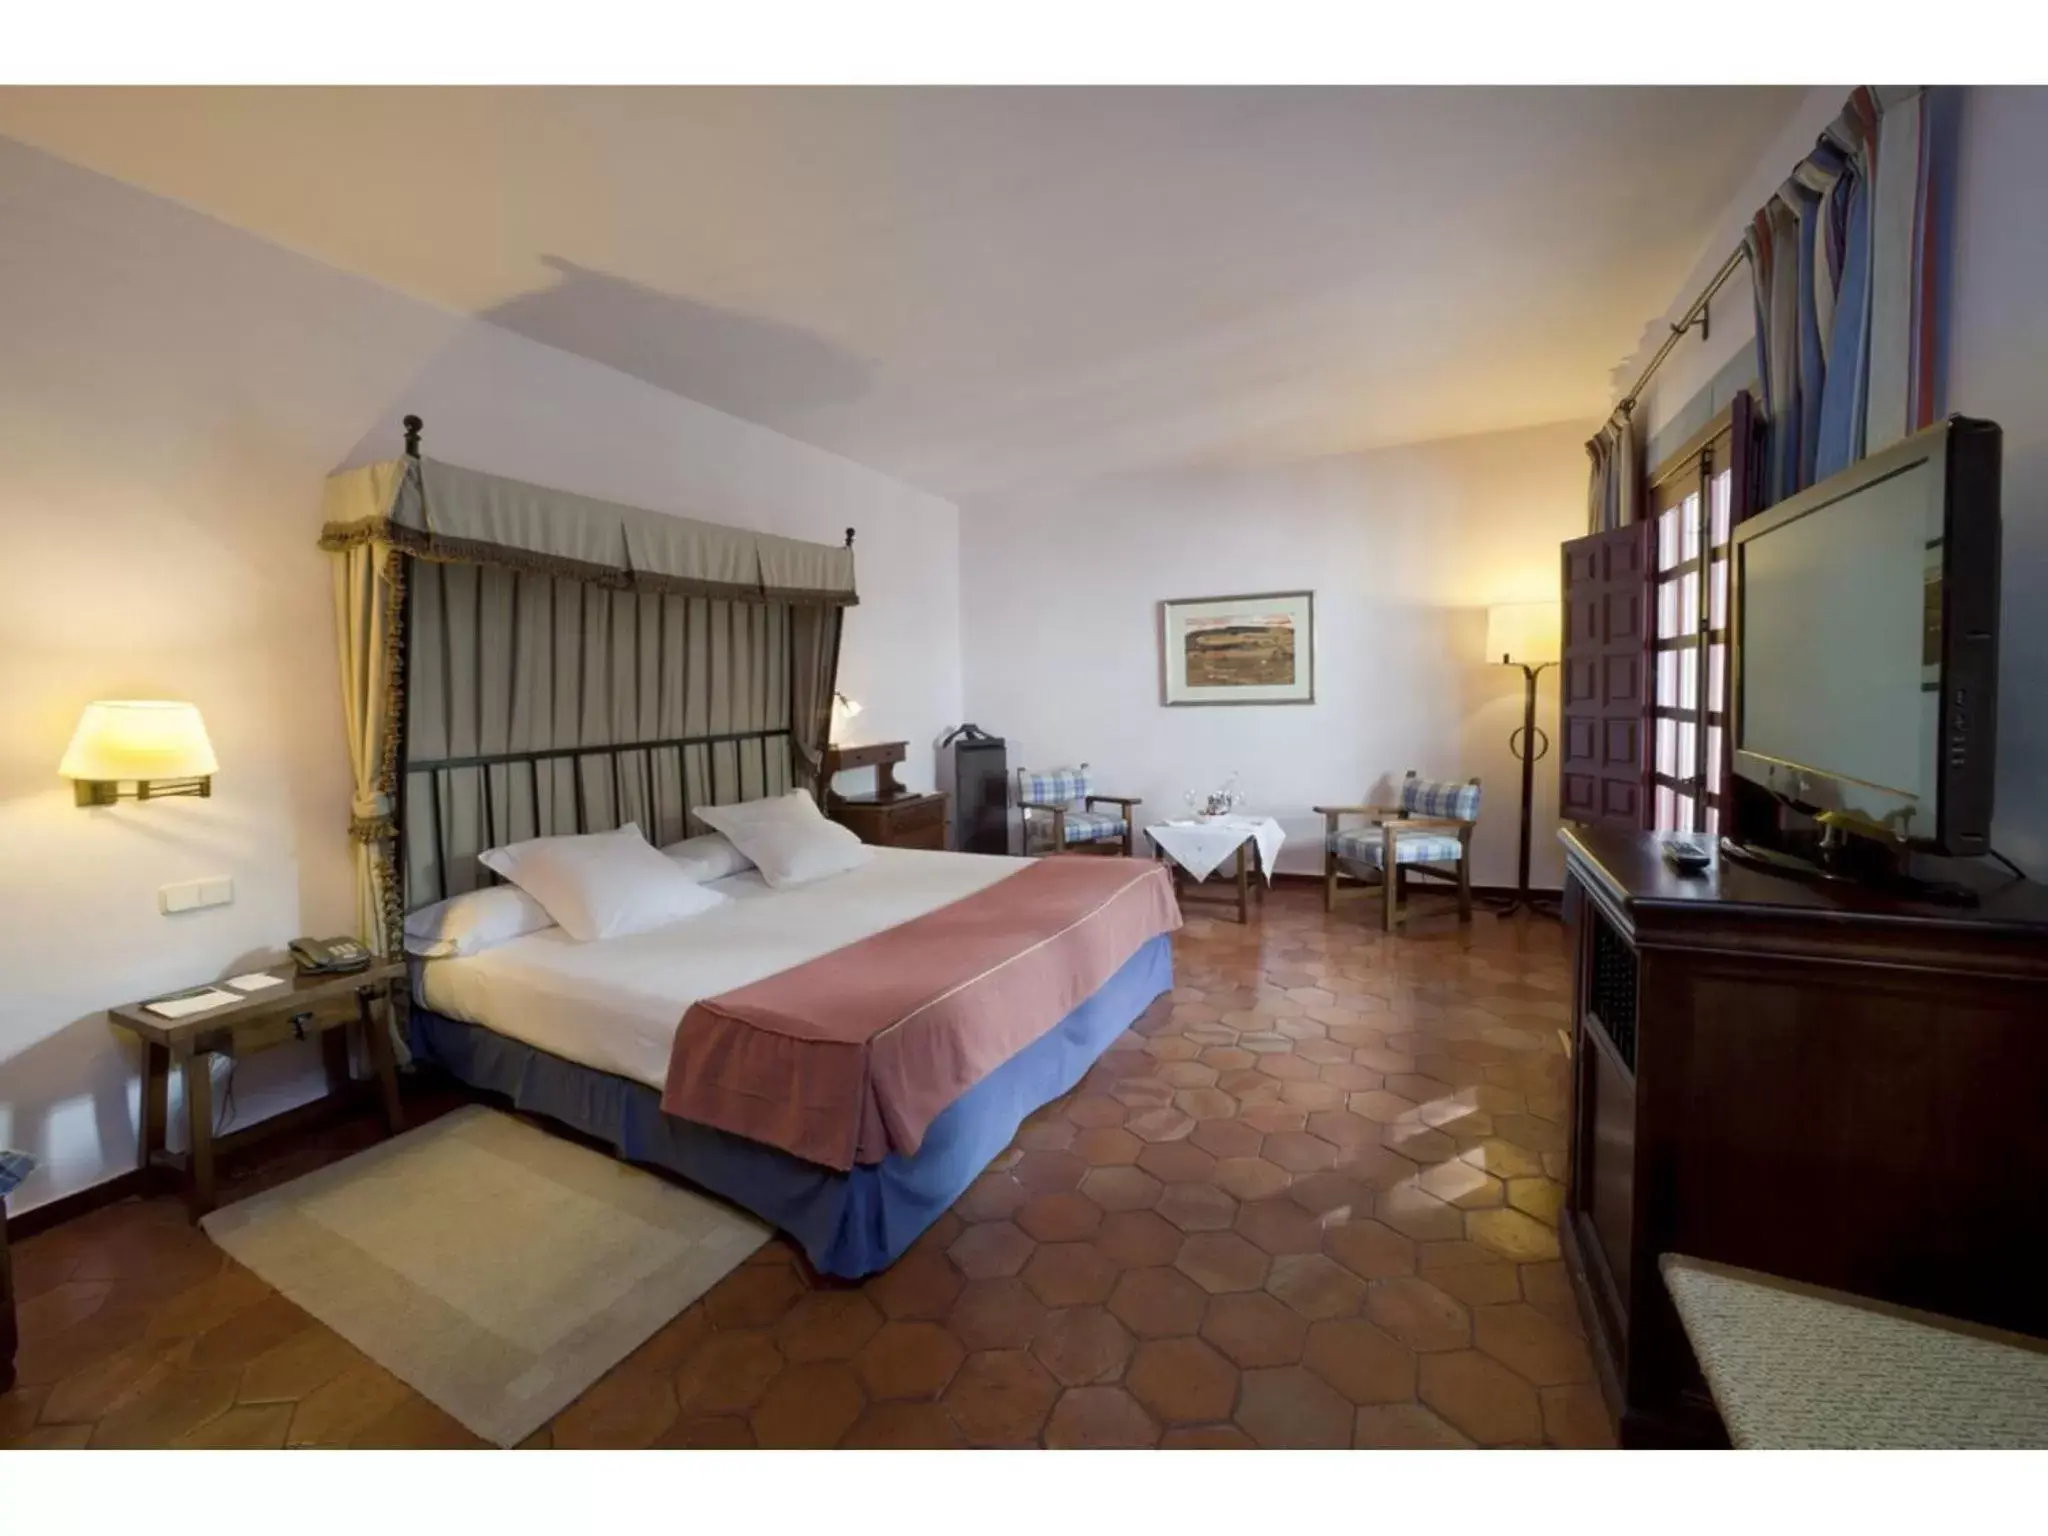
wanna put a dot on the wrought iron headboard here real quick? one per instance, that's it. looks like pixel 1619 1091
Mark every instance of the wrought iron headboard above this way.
pixel 642 768
pixel 481 791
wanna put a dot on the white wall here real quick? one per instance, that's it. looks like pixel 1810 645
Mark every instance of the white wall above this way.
pixel 172 394
pixel 1998 338
pixel 1403 549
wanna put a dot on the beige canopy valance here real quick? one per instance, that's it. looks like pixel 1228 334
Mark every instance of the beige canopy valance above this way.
pixel 440 511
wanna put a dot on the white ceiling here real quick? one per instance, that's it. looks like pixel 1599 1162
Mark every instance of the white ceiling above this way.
pixel 983 290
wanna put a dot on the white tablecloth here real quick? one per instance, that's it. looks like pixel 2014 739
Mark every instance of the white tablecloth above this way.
pixel 1200 846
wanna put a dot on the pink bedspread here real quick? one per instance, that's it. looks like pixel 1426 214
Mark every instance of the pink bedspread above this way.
pixel 851 1056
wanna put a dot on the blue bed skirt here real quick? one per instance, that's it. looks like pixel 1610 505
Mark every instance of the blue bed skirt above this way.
pixel 849 1224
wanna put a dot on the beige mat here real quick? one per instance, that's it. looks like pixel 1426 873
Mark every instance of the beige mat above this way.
pixel 497 1269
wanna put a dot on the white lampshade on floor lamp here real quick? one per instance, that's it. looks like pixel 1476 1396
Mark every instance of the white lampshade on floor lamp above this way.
pixel 1529 636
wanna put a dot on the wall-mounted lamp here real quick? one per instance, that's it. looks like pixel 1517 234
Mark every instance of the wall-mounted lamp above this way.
pixel 1529 636
pixel 158 745
pixel 843 711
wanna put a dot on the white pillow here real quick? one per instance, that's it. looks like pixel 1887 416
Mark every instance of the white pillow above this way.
pixel 474 921
pixel 602 885
pixel 707 858
pixel 788 838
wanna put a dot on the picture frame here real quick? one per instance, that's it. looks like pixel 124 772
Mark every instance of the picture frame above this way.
pixel 1249 648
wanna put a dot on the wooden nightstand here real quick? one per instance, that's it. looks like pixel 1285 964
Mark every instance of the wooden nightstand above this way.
pixel 905 820
pixel 890 816
pixel 304 1006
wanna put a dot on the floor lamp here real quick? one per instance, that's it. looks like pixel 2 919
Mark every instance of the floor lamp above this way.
pixel 1526 635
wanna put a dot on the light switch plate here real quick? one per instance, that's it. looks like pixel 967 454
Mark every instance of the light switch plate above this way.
pixel 190 895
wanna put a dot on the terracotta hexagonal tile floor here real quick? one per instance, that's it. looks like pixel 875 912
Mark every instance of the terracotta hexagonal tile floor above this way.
pixel 1182 1381
pixel 1082 1346
pixel 1309 1200
pixel 1100 1418
pixel 1254 1329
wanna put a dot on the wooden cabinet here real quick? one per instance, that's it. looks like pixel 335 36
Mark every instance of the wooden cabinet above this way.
pixel 889 815
pixel 894 821
pixel 1813 1081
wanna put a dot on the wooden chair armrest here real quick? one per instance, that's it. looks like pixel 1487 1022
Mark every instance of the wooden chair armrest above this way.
pixel 1126 801
pixel 1357 810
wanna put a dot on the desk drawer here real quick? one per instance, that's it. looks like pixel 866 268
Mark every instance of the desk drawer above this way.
pixel 914 821
pixel 930 835
pixel 307 1021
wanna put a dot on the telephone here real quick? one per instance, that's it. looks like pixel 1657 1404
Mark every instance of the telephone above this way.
pixel 328 957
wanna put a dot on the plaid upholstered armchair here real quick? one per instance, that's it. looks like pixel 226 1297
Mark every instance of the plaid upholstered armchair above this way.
pixel 1429 829
pixel 1061 815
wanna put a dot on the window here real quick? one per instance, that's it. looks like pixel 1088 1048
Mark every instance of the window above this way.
pixel 1693 503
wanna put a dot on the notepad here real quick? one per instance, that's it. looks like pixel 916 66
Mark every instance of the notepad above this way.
pixel 187 1003
pixel 255 981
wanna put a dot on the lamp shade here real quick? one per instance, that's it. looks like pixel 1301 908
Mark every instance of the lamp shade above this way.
pixel 139 739
pixel 843 711
pixel 1526 634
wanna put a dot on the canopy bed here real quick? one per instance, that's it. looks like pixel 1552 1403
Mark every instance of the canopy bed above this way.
pixel 842 1054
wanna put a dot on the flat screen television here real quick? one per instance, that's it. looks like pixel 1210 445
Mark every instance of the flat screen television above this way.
pixel 1865 628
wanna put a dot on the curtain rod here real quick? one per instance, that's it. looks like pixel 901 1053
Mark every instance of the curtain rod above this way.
pixel 1695 314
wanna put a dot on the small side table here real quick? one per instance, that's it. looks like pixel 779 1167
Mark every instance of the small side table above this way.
pixel 1195 850
pixel 299 1009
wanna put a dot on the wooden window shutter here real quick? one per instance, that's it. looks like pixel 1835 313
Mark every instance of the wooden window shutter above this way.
pixel 1603 765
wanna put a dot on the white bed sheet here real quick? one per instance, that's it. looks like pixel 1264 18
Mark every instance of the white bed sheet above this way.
pixel 615 1004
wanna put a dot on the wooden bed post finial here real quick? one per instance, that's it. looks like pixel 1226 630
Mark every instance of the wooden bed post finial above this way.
pixel 849 538
pixel 412 436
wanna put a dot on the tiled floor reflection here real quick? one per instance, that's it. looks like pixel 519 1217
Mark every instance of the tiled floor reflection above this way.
pixel 1309 1201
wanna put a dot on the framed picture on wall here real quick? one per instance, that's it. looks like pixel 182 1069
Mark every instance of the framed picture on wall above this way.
pixel 1256 649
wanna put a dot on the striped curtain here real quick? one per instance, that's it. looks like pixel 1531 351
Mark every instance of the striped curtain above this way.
pixel 1612 494
pixel 1849 262
pixel 502 663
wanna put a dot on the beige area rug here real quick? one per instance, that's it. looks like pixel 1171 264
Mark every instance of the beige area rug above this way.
pixel 497 1269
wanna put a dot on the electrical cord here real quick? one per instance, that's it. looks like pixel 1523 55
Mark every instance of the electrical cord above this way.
pixel 226 1117
pixel 2017 872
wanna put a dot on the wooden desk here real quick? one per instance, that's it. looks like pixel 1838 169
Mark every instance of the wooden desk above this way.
pixel 1813 1081
pixel 303 1007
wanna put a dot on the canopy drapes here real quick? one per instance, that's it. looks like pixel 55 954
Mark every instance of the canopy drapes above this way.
pixel 369 609
pixel 525 684
pixel 579 624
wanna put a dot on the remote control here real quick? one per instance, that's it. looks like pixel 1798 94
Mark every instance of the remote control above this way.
pixel 1689 852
